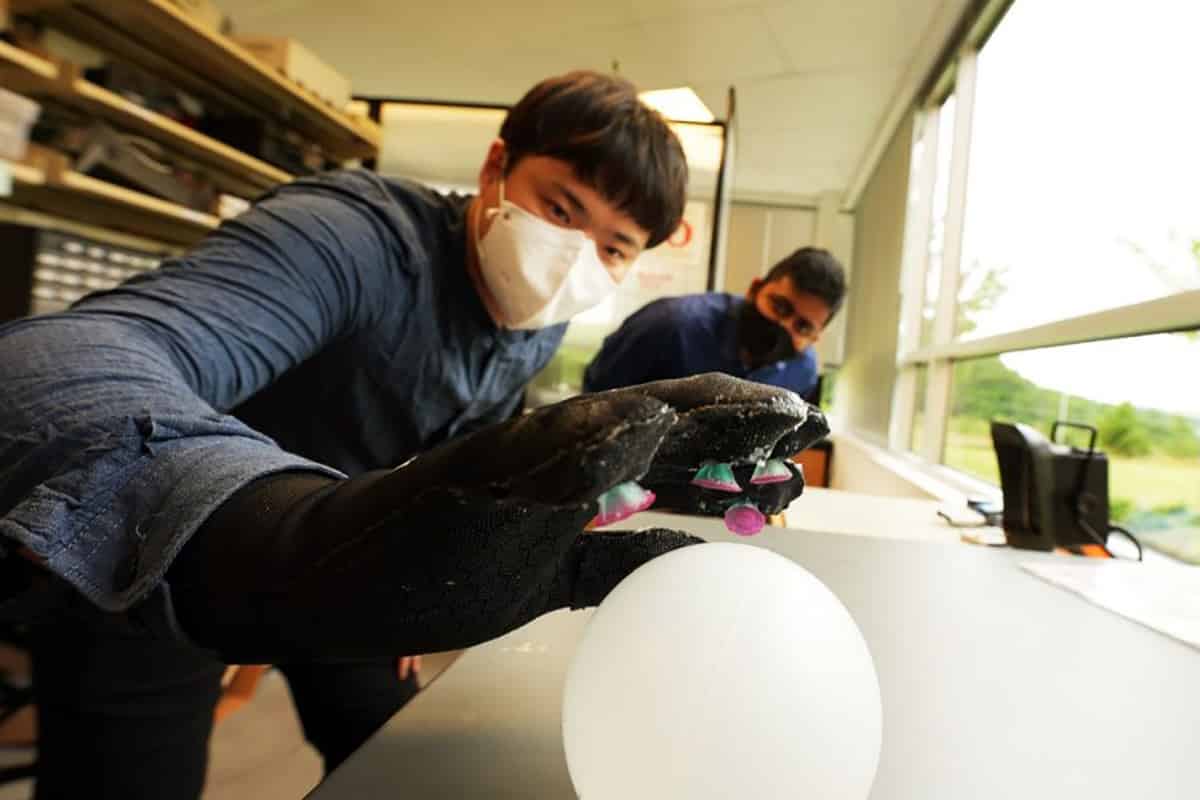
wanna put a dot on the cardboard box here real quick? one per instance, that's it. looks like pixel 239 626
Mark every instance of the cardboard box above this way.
pixel 301 65
pixel 201 11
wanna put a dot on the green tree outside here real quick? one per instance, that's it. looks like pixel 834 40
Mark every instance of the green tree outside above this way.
pixel 1122 433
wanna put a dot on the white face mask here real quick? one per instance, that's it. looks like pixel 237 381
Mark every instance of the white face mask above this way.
pixel 539 274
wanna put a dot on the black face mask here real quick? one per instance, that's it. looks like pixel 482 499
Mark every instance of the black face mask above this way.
pixel 761 340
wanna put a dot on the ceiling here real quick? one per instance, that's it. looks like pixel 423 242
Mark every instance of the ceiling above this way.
pixel 820 83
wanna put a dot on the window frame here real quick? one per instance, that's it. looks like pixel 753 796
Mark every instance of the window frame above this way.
pixel 1170 314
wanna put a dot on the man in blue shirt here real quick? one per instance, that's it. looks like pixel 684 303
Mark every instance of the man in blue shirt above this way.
pixel 767 337
pixel 296 444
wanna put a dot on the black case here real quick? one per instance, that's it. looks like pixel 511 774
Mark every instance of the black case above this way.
pixel 1051 490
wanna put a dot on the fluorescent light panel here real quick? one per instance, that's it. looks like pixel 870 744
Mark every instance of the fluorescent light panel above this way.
pixel 680 104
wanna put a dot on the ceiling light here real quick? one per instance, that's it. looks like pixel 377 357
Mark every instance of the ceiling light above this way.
pixel 680 104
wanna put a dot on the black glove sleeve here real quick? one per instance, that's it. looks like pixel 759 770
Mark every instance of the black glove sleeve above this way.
pixel 457 547
pixel 472 539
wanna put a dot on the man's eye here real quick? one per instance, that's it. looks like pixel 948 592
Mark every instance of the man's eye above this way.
pixel 782 308
pixel 559 213
pixel 613 254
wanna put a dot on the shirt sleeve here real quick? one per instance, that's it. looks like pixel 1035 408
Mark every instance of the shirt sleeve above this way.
pixel 312 262
pixel 635 352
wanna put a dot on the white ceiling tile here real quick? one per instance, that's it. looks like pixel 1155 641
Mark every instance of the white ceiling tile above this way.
pixel 823 34
pixel 770 164
pixel 683 10
pixel 836 99
pixel 703 48
pixel 814 77
pixel 807 131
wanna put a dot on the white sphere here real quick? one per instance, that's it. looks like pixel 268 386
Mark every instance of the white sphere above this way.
pixel 722 671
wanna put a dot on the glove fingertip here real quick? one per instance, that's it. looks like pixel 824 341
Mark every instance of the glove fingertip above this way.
pixel 603 560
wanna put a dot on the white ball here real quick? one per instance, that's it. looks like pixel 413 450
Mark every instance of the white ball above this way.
pixel 722 671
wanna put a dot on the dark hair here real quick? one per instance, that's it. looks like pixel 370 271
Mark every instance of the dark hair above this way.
pixel 814 271
pixel 614 142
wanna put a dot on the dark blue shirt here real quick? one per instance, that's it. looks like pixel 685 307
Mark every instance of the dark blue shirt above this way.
pixel 333 327
pixel 675 337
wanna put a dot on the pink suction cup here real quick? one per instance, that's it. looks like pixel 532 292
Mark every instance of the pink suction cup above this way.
pixel 622 502
pixel 771 471
pixel 744 519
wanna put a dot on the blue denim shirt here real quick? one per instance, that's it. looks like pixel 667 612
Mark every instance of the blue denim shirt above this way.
pixel 332 327
pixel 675 337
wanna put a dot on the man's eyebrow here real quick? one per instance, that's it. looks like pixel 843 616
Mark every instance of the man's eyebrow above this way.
pixel 571 198
pixel 625 238
pixel 620 236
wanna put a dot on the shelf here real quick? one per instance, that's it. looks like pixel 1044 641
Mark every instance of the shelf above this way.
pixel 232 170
pixel 34 65
pixel 57 189
pixel 87 186
pixel 156 36
pixel 23 174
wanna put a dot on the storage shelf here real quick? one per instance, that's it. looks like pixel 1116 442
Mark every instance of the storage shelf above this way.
pixel 33 64
pixel 23 174
pixel 232 170
pixel 110 193
pixel 157 36
pixel 73 195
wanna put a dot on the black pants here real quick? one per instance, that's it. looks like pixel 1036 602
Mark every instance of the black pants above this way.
pixel 125 712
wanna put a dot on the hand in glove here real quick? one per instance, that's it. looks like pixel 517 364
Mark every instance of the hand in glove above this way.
pixel 478 536
pixel 729 452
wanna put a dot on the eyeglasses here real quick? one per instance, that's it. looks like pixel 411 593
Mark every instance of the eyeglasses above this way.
pixel 787 316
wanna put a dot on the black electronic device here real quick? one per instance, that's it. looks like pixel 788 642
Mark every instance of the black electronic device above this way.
pixel 1055 495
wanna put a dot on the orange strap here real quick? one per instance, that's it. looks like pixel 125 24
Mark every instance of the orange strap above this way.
pixel 239 688
pixel 1086 550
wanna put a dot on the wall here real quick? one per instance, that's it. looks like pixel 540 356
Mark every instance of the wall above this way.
pixel 864 392
pixel 859 466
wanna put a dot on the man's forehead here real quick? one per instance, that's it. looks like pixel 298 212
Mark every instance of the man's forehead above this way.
pixel 786 286
pixel 782 285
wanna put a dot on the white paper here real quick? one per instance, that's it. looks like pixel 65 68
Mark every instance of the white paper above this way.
pixel 1164 598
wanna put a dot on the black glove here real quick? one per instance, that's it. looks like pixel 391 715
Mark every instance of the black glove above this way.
pixel 468 541
pixel 746 434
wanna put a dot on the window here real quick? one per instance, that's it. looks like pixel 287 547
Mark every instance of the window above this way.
pixel 1056 254
pixel 1083 185
pixel 917 442
pixel 1142 394
pixel 828 386
pixel 937 230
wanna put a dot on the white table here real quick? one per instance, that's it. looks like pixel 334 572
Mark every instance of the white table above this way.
pixel 855 514
pixel 995 686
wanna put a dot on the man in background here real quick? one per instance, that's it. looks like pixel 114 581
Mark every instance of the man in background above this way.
pixel 767 336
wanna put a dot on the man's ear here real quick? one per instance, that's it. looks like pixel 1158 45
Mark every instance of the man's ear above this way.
pixel 493 165
pixel 755 285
